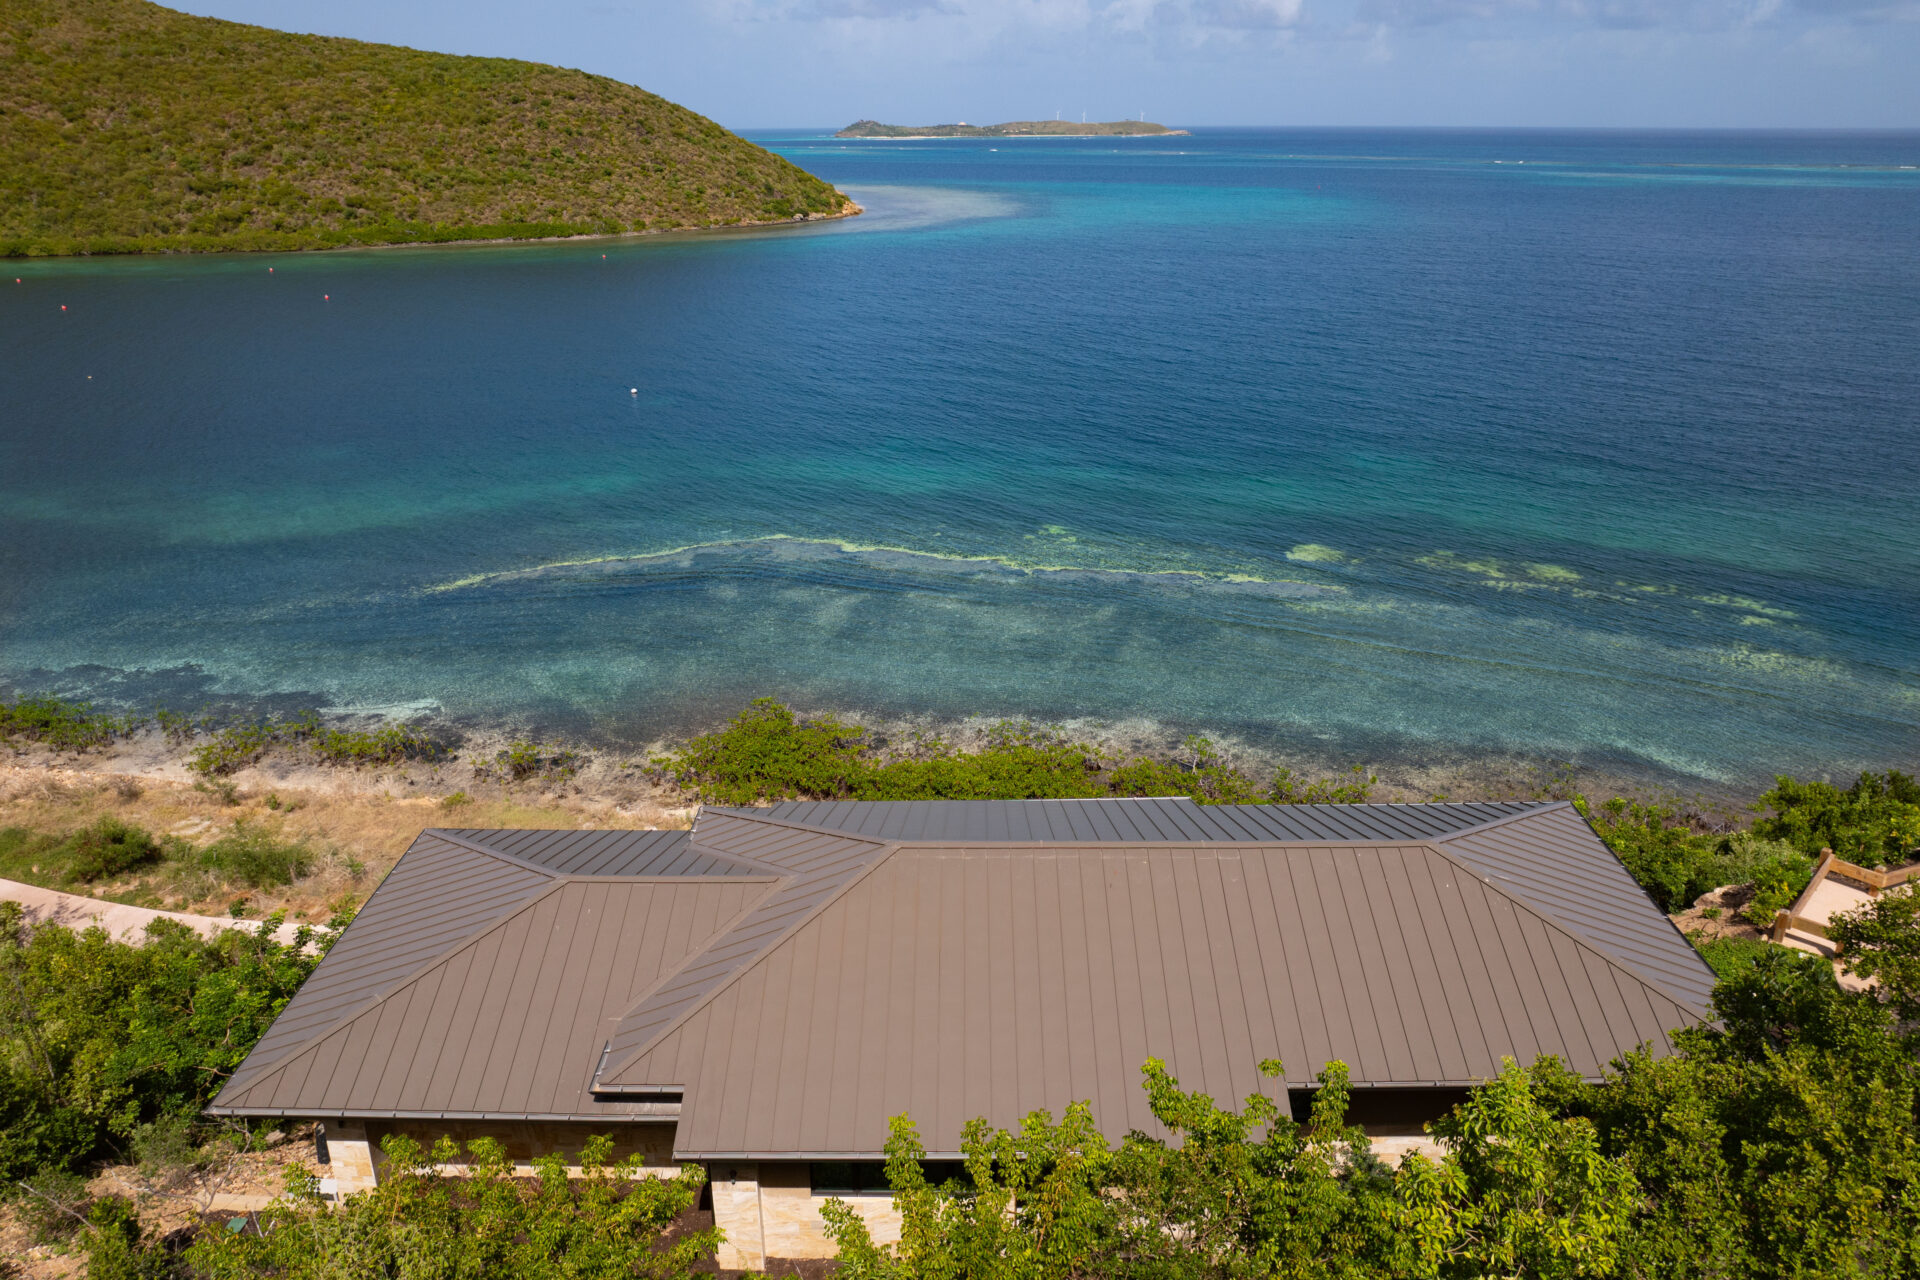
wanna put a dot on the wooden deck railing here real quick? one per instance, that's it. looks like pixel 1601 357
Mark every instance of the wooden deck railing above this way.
pixel 1875 881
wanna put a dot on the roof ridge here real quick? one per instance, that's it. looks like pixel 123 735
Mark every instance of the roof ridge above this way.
pixel 472 940
pixel 1586 823
pixel 314 1041
pixel 606 1072
pixel 464 845
pixel 754 815
pixel 1553 922
pixel 1221 833
pixel 1531 810
pixel 475 846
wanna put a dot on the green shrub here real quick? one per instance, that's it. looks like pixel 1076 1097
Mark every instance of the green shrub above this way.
pixel 110 848
pixel 62 725
pixel 1673 862
pixel 99 1038
pixel 231 749
pixel 616 1220
pixel 258 858
pixel 1017 761
pixel 394 744
pixel 235 747
pixel 1354 788
pixel 768 753
pixel 1731 957
pixel 1881 941
pixel 39 1130
pixel 522 760
pixel 1197 772
pixel 116 1245
pixel 1874 822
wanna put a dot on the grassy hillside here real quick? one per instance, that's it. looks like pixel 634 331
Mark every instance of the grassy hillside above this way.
pixel 126 127
pixel 1012 129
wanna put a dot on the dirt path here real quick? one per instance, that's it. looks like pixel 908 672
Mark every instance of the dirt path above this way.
pixel 123 922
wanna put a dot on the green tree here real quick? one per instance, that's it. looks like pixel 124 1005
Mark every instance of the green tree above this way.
pixel 1520 1192
pixel 1253 1192
pixel 423 1224
pixel 1029 1208
pixel 1873 822
pixel 98 1036
pixel 1881 941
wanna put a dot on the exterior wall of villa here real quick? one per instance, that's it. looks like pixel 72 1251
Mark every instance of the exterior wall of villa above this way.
pixel 356 1157
pixel 769 1210
pixel 353 1158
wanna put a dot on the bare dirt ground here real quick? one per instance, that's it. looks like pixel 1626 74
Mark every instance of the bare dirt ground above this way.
pixel 357 823
pixel 1716 914
pixel 168 1200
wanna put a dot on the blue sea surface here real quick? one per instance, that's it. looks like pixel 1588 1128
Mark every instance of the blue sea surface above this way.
pixel 1372 445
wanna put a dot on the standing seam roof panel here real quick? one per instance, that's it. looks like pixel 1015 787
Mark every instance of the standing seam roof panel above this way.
pixel 434 1044
pixel 437 894
pixel 1553 860
pixel 884 958
pixel 823 865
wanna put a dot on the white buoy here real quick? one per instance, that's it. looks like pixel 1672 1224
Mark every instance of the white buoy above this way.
pixel 633 391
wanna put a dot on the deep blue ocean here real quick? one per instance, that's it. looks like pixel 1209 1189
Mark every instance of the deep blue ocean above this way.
pixel 1368 445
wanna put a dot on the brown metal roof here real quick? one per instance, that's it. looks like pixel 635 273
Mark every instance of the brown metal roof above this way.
pixel 817 868
pixel 801 973
pixel 511 1022
pixel 438 895
pixel 1550 858
pixel 957 982
pixel 607 853
pixel 1133 821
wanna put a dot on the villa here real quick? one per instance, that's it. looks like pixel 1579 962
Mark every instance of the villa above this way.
pixel 761 993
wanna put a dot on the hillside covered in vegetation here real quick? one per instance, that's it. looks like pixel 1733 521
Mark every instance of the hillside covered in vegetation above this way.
pixel 126 127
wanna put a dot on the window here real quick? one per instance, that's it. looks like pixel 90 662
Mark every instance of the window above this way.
pixel 869 1177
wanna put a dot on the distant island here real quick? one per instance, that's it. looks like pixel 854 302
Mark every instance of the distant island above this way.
pixel 129 128
pixel 1013 129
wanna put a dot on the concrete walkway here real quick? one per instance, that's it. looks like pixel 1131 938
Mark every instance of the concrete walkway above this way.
pixel 129 924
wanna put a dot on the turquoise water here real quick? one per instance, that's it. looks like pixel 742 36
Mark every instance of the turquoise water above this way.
pixel 1374 445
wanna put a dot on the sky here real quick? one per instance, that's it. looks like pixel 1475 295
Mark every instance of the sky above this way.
pixel 1581 63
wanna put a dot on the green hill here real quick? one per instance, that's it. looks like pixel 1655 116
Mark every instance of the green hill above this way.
pixel 125 127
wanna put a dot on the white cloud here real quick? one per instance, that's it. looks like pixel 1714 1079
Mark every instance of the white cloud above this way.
pixel 978 18
pixel 1245 15
pixel 1536 15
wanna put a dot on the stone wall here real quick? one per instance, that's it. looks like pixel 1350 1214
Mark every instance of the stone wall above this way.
pixel 769 1210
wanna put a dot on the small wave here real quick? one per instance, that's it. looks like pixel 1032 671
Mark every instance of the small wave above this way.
pixel 786 548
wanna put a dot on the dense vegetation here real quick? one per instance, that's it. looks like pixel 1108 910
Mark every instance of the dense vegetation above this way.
pixel 222 748
pixel 1012 129
pixel 110 1047
pixel 233 747
pixel 612 1221
pixel 57 723
pixel 1875 823
pixel 149 869
pixel 126 127
pixel 768 753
